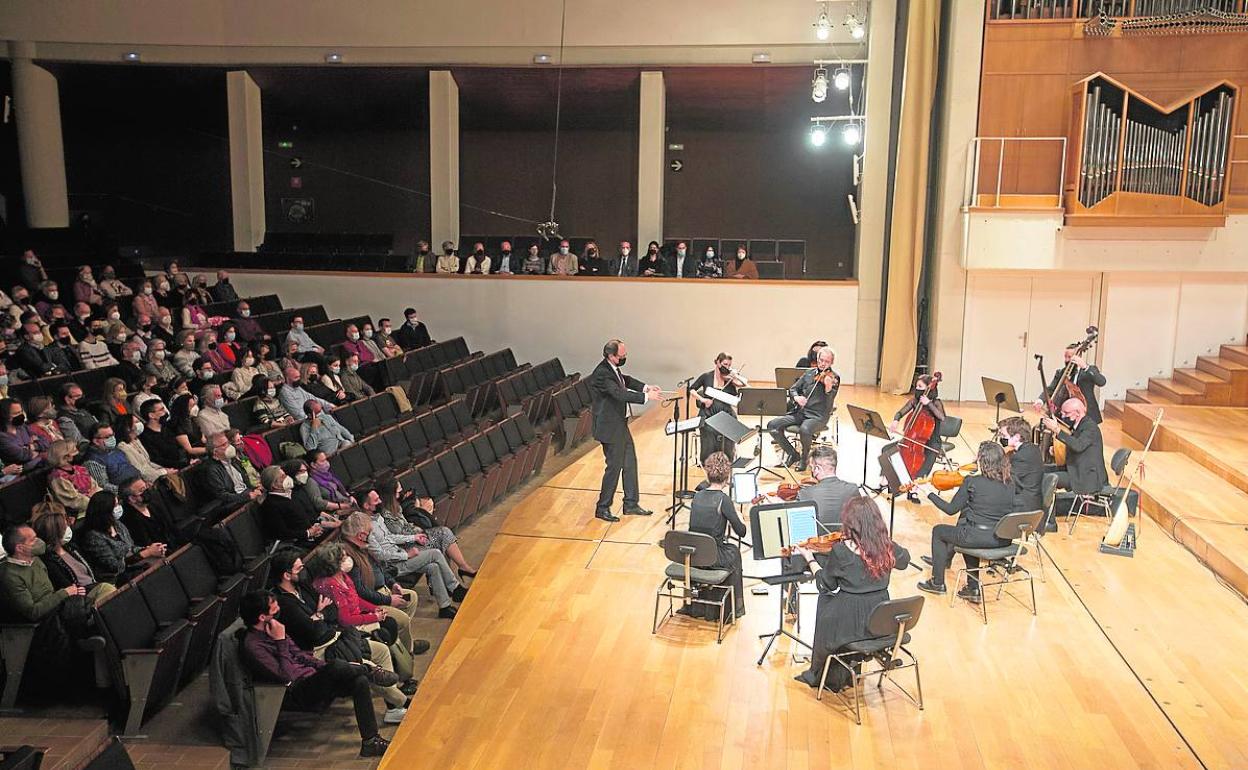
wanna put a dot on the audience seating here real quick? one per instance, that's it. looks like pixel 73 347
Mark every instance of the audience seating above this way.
pixel 244 530
pixel 168 601
pixel 15 641
pixel 202 583
pixel 247 723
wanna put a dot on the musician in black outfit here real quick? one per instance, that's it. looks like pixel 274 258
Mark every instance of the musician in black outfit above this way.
pixel 1026 465
pixel 813 400
pixel 808 360
pixel 924 396
pixel 612 392
pixel 722 377
pixel 852 579
pixel 981 501
pixel 1085 472
pixel 1087 378
pixel 711 512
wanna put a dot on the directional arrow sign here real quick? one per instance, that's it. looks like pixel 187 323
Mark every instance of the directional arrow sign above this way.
pixel 296 162
pixel 676 165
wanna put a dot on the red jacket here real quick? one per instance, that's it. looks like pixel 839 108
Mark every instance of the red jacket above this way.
pixel 352 610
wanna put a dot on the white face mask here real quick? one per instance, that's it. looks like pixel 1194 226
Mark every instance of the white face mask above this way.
pixel 114 316
pixel 230 452
pixel 626 252
pixel 368 334
pixel 302 477
pixel 680 252
pixel 348 564
pixel 245 313
pixel 117 511
pixel 354 336
pixel 563 250
pixel 334 370
pixel 271 392
pixel 288 483
pixel 69 535
pixel 194 411
pixel 159 355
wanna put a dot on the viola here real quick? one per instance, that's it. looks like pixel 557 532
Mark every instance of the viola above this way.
pixel 918 429
pixel 817 544
pixel 788 492
pixel 943 481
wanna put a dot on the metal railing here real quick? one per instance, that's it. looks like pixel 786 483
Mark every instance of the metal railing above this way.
pixel 1033 10
pixel 975 166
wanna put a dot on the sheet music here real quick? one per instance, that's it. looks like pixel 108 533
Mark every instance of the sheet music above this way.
pixel 719 395
pixel 802 524
pixel 684 426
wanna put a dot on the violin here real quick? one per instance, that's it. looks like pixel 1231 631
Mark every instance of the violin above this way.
pixel 817 544
pixel 788 492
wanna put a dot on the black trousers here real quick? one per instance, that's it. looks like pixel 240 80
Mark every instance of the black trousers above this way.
pixel 946 537
pixel 711 442
pixel 334 680
pixel 621 459
pixel 807 428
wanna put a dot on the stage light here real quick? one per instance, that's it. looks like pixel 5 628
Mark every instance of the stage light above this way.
pixel 823 26
pixel 333 58
pixel 130 56
pixel 542 58
pixel 818 135
pixel 851 134
pixel 762 57
pixel 857 27
pixel 819 85
pixel 840 78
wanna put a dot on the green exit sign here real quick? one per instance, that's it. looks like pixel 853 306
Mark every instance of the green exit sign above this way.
pixel 286 144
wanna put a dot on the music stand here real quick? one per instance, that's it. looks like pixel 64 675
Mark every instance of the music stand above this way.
pixel 896 477
pixel 869 423
pixel 787 375
pixel 771 402
pixel 764 520
pixel 729 428
pixel 1000 393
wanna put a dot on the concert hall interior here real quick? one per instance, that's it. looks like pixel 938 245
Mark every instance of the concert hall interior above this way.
pixel 792 384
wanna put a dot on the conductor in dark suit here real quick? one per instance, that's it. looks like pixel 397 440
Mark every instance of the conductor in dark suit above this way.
pixel 1085 472
pixel 1087 378
pixel 612 392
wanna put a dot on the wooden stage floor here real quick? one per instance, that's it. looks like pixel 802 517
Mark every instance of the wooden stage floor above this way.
pixel 551 663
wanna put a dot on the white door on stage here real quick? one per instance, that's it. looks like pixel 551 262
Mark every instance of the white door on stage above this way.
pixel 994 343
pixel 1061 311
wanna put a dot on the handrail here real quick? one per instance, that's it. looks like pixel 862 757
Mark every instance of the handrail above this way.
pixel 971 197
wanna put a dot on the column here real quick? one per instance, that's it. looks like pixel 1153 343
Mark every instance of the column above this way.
pixel 443 158
pixel 246 160
pixel 651 159
pixel 40 149
pixel 873 203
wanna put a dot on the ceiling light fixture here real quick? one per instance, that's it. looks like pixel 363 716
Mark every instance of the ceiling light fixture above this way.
pixel 333 57
pixel 840 78
pixel 130 56
pixel 856 26
pixel 823 27
pixel 818 135
pixel 851 134
pixel 819 85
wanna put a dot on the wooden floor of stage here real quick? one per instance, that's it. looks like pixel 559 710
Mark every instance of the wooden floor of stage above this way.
pixel 551 663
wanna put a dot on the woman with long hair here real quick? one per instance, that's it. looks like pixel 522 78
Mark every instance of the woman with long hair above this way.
pixel 399 508
pixel 852 580
pixel 924 397
pixel 66 566
pixel 980 503
pixel 374 584
pixel 107 544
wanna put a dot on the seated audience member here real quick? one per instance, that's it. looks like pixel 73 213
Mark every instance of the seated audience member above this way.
pixel 270 656
pixel 184 360
pixel 111 286
pixel 195 317
pixel 306 348
pixel 413 333
pixel 198 291
pixel 321 431
pixel 411 559
pixel 82 321
pixel 217 354
pixel 22 303
pixel 223 290
pixel 743 266
pixel 331 380
pixel 63 351
pixel 506 264
pixel 94 353
pixel 265 363
pixel 293 395
pixel 145 392
pixel 683 264
pixel 243 376
pixel 224 476
pixel 30 272
pixel 166 297
pixel 114 400
pixel 41 419
pixel 710 266
pixel 173 272
pixel 250 469
pixel 389 347
pixel 18 445
pixel 249 329
pixel 183 409
pixel 107 545
pixel 448 262
pixel 147 519
pixel 623 264
pixel 68 483
pixel 158 439
pixel 49 295
pixel 356 344
pixel 651 263
pixel 203 372
pixel 335 494
pixel 65 564
pixel 533 263
pixel 291 359
pixel 398 507
pixel 310 377
pixel 478 262
pixel 85 288
pixel 4 369
pixel 307 495
pixel 712 513
pixel 267 411
pixel 228 347
pixel 109 467
pixel 375 584
pixel 130 368
pixel 421 261
pixel 281 517
pixel 211 419
pixel 563 261
pixel 144 303
pixel 591 262
pixel 352 383
pixel 127 430
pixel 158 363
pixel 33 357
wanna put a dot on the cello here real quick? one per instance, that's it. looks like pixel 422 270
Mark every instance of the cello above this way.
pixel 919 426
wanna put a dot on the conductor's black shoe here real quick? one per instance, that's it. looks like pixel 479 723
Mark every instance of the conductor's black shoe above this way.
pixel 447 612
pixel 636 510
pixel 459 593
pixel 931 588
pixel 605 515
pixel 374 747
pixel 971 594
pixel 926 560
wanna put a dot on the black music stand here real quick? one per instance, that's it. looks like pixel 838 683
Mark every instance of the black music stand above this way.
pixel 769 516
pixel 680 456
pixel 787 375
pixel 897 479
pixel 729 428
pixel 1000 393
pixel 761 402
pixel 869 423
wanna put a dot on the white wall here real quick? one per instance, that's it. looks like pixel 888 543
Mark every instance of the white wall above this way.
pixel 673 328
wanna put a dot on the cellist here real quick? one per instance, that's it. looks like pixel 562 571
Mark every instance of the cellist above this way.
pixel 925 397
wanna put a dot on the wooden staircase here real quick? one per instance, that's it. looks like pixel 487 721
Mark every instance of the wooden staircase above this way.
pixel 1220 380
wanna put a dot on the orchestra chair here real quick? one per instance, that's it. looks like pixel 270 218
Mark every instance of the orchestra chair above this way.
pixel 690 573
pixel 821 436
pixel 1048 497
pixel 889 626
pixel 949 428
pixel 1002 561
pixel 1106 497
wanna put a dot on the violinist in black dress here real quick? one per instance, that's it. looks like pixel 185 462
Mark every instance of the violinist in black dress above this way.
pixel 724 378
pixel 712 513
pixel 852 580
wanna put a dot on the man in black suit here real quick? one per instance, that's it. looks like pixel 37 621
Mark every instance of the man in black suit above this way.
pixel 683 264
pixel 30 273
pixel 1086 377
pixel 32 355
pixel 413 333
pixel 612 392
pixel 813 401
pixel 1026 466
pixel 623 264
pixel 1085 472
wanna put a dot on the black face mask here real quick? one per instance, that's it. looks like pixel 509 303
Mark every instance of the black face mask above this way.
pixel 653 252
pixel 593 252
pixel 64 341
pixel 725 370
pixel 506 252
pixel 623 360
pixel 18 421
pixel 479 252
pixel 424 250
pixel 449 252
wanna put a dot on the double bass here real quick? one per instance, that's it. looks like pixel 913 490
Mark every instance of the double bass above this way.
pixel 1045 440
pixel 918 429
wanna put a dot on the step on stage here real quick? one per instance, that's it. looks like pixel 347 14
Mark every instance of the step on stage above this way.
pixel 551 663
